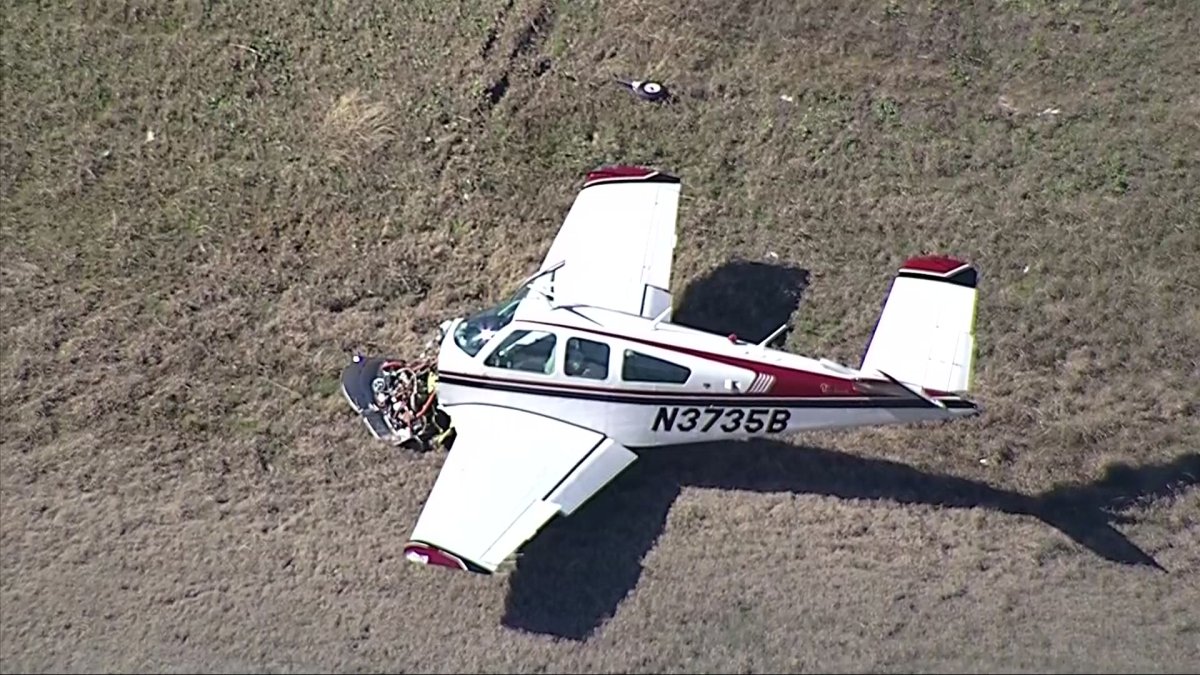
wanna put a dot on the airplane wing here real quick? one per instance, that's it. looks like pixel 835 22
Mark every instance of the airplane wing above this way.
pixel 616 245
pixel 506 475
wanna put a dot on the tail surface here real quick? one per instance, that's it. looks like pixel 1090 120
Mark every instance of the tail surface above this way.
pixel 926 332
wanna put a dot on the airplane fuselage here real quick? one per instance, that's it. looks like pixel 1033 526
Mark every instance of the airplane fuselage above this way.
pixel 648 384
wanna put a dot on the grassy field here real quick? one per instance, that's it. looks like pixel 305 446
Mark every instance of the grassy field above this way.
pixel 208 205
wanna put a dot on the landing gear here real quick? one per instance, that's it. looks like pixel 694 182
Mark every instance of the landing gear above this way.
pixel 398 403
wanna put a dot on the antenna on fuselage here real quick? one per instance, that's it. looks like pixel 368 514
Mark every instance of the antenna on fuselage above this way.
pixel 774 334
pixel 661 316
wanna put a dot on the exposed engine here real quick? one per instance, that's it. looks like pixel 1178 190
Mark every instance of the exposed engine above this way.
pixel 398 401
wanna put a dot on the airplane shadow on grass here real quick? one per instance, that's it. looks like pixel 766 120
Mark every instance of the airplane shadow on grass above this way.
pixel 574 574
pixel 572 577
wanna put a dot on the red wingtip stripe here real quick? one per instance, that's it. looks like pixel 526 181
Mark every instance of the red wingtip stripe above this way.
pixel 941 268
pixel 627 173
pixel 425 554
pixel 619 171
pixel 933 264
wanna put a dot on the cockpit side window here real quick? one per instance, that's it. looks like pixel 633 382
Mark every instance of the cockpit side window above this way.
pixel 587 359
pixel 638 367
pixel 529 351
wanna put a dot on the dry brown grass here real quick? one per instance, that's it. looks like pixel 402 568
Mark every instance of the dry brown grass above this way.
pixel 182 487
pixel 356 127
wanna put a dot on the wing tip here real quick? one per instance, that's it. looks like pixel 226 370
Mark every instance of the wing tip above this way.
pixel 941 268
pixel 424 553
pixel 627 173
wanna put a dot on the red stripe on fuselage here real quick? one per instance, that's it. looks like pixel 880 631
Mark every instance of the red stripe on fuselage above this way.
pixel 550 386
pixel 789 382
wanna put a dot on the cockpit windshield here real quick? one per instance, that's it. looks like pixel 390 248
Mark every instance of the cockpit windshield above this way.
pixel 477 329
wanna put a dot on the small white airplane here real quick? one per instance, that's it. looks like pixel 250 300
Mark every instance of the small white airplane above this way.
pixel 549 390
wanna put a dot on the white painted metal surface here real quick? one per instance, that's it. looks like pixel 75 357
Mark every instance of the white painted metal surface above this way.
pixel 925 335
pixel 489 496
pixel 620 240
